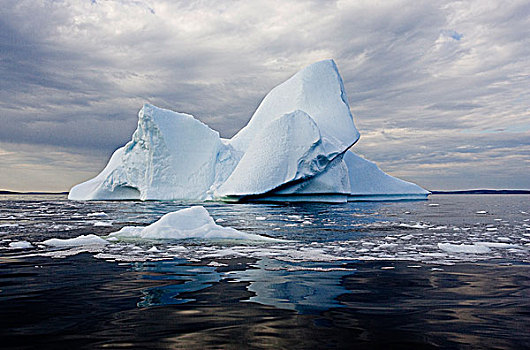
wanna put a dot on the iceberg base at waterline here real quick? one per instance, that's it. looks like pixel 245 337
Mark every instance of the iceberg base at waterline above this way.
pixel 294 148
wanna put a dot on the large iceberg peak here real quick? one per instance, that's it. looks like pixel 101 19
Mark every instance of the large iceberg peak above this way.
pixel 318 90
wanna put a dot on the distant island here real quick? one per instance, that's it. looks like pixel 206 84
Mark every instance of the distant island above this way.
pixel 30 193
pixel 483 192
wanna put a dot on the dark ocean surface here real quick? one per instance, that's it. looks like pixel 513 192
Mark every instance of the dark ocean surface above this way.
pixel 450 272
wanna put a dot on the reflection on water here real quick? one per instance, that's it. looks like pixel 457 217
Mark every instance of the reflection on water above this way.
pixel 176 279
pixel 306 288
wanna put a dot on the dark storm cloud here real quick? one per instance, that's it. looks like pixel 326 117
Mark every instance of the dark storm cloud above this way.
pixel 430 83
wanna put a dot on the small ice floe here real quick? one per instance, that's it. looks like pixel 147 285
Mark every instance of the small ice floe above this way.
pixel 433 205
pixel 216 264
pixel 75 242
pixel 498 245
pixel 491 229
pixel 103 224
pixel 481 212
pixel 153 249
pixel 464 248
pixel 437 269
pixel 98 214
pixel 387 268
pixel 261 218
pixel 416 225
pixel 220 220
pixel 20 245
pixel 308 268
pixel 414 266
pixel 9 225
pixel 504 239
pixel 189 223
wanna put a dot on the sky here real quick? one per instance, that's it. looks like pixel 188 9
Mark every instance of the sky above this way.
pixel 439 90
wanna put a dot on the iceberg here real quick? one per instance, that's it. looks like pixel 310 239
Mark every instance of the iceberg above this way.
pixel 193 222
pixel 294 148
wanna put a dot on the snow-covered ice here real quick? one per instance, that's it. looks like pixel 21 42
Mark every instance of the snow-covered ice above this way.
pixel 294 148
pixel 464 248
pixel 194 222
pixel 20 245
pixel 75 242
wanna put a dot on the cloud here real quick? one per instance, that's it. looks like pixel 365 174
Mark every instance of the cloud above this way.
pixel 418 73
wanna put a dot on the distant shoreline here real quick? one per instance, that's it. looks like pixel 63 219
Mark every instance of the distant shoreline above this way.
pixel 31 193
pixel 483 192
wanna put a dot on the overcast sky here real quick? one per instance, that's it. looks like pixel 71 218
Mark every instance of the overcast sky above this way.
pixel 439 89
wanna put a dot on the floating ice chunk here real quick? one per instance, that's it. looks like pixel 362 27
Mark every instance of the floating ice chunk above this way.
pixel 153 249
pixel 9 225
pixel 77 241
pixel 194 222
pixel 98 214
pixel 498 245
pixel 103 224
pixel 437 228
pixel 481 212
pixel 464 248
pixel 416 225
pixel 20 245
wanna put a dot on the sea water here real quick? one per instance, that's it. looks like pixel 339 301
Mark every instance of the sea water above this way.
pixel 449 271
